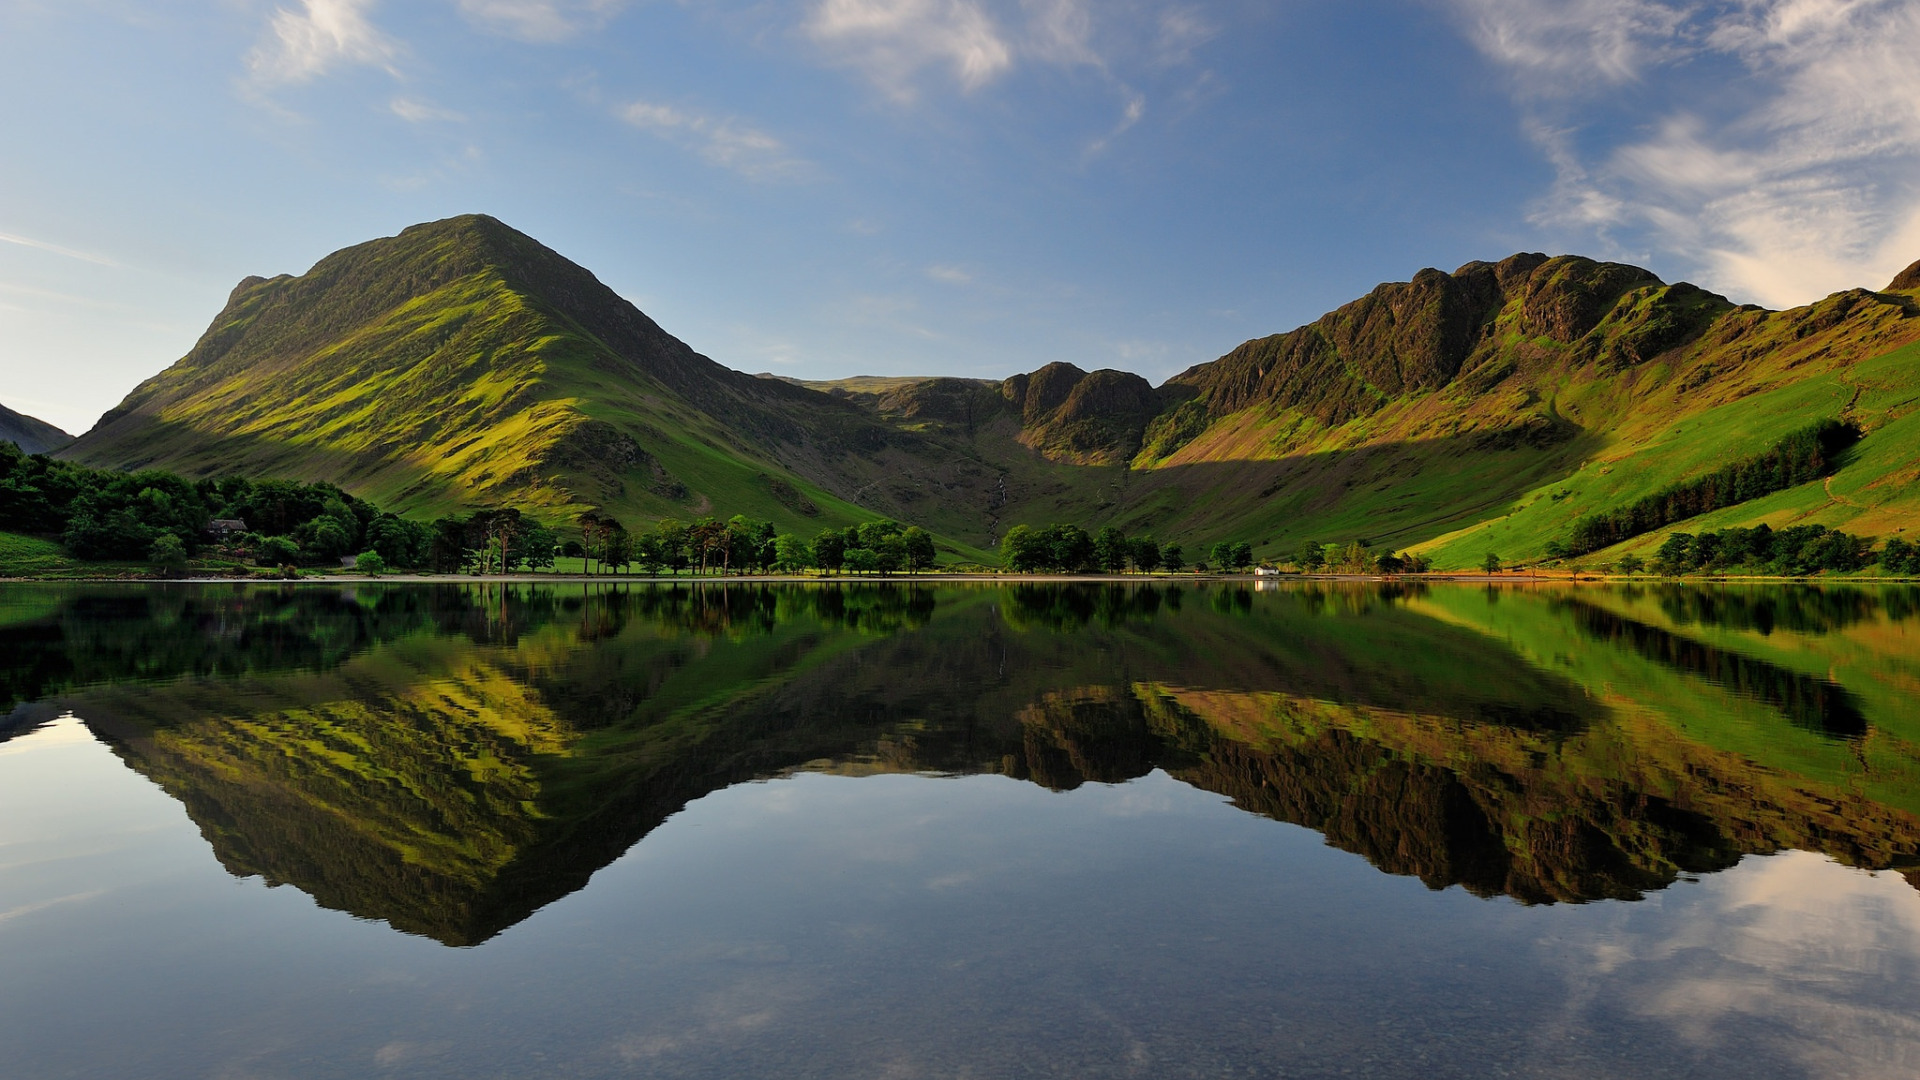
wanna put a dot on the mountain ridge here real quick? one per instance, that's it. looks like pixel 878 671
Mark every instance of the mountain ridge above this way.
pixel 462 363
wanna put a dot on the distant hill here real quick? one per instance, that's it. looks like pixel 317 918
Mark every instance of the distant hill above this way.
pixel 33 436
pixel 462 364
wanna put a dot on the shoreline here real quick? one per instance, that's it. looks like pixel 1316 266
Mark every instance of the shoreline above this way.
pixel 1517 578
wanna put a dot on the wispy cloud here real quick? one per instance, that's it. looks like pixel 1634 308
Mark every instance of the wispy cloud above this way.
pixel 907 47
pixel 951 275
pixel 1806 182
pixel 541 20
pixel 416 111
pixel 721 141
pixel 892 41
pixel 302 45
pixel 56 249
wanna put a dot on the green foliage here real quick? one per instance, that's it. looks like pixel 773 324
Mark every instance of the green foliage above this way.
pixel 1491 564
pixel 1901 558
pixel 1793 552
pixel 370 563
pixel 1804 455
pixel 168 555
pixel 1173 558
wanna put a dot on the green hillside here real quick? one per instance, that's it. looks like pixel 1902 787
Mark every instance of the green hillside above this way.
pixel 462 365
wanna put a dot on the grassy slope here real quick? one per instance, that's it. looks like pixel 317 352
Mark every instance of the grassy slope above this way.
pixel 1533 434
pixel 431 391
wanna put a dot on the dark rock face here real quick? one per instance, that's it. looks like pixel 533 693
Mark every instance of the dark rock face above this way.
pixel 1415 336
pixel 1093 418
pixel 1906 279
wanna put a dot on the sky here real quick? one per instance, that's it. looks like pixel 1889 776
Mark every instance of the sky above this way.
pixel 825 188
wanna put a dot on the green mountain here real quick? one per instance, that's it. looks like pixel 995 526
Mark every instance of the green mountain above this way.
pixel 461 364
pixel 33 436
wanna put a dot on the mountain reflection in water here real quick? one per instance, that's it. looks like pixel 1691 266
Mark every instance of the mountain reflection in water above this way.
pixel 451 758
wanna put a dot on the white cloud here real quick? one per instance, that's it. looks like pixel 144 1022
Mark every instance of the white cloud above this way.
pixel 541 20
pixel 1808 182
pixel 1559 46
pixel 1790 956
pixel 303 45
pixel 724 142
pixel 951 275
pixel 415 111
pixel 893 40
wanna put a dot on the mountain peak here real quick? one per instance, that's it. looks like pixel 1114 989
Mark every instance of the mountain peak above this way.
pixel 1905 279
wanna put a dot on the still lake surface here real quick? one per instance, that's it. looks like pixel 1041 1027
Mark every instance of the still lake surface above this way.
pixel 889 831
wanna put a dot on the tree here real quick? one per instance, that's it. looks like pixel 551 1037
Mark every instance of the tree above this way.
pixel 861 560
pixel 616 550
pixel 706 543
pixel 891 555
pixel 276 551
pixel 369 563
pixel 919 549
pixel 1222 554
pixel 1632 564
pixel 650 552
pixel 1145 554
pixel 1491 564
pixel 593 530
pixel 790 554
pixel 168 555
pixel 673 542
pixel 1173 558
pixel 1310 556
pixel 537 547
pixel 830 550
pixel 1110 551
pixel 1022 550
pixel 1675 555
pixel 1242 555
pixel 1069 549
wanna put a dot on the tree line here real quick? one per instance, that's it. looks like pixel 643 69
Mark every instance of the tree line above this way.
pixel 1807 454
pixel 743 545
pixel 1791 552
pixel 164 518
pixel 1070 549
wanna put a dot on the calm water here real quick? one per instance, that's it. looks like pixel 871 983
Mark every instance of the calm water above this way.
pixel 959 832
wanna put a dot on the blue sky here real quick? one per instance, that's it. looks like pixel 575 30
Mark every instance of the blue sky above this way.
pixel 824 188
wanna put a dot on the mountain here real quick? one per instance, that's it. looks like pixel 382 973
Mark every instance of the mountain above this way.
pixel 462 364
pixel 33 436
pixel 1489 410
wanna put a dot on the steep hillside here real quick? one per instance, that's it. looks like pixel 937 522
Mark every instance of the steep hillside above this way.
pixel 462 364
pixel 33 436
pixel 1483 410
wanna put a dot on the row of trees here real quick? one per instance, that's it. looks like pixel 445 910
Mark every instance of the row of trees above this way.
pixel 1796 551
pixel 1356 558
pixel 746 546
pixel 100 514
pixel 1070 549
pixel 1807 454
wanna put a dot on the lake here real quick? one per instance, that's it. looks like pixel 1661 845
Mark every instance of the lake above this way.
pixel 877 830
